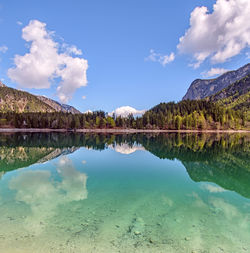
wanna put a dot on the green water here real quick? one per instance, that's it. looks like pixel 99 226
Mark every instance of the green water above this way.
pixel 124 193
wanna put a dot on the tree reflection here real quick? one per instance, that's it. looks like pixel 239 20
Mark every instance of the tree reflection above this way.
pixel 219 158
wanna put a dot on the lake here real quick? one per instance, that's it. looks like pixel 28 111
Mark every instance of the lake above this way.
pixel 124 193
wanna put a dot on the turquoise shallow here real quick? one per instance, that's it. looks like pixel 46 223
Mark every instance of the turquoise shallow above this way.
pixel 124 193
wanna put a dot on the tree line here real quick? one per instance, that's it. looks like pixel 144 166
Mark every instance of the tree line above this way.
pixel 195 114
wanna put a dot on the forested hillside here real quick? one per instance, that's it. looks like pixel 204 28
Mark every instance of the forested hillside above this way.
pixel 193 114
pixel 235 96
pixel 187 115
pixel 12 100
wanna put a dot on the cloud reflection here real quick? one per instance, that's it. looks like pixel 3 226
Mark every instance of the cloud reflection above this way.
pixel 212 188
pixel 44 194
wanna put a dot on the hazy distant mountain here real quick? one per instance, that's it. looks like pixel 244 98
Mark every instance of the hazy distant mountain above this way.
pixel 13 100
pixel 200 89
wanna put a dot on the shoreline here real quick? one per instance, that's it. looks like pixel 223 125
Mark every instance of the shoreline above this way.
pixel 128 131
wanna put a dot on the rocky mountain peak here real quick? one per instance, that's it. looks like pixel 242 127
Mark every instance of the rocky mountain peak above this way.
pixel 201 88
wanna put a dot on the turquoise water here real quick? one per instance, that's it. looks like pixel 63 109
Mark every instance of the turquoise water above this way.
pixel 124 193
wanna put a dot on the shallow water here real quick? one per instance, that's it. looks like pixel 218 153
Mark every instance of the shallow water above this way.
pixel 124 193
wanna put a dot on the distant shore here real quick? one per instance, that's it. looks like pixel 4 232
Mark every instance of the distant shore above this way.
pixel 115 130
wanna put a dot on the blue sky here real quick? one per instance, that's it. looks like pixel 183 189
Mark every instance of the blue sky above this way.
pixel 115 38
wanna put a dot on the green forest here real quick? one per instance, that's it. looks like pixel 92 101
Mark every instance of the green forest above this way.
pixel 185 115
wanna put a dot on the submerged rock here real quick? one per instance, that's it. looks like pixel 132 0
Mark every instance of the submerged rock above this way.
pixel 136 232
pixel 137 226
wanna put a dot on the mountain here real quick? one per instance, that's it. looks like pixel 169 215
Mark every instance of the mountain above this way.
pixel 57 106
pixel 200 88
pixel 235 96
pixel 13 100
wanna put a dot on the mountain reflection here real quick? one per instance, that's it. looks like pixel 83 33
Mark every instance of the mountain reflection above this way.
pixel 126 149
pixel 12 158
pixel 219 158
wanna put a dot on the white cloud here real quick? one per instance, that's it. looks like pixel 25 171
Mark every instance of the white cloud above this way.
pixel 38 68
pixel 248 55
pixel 124 111
pixel 71 49
pixel 3 49
pixel 83 97
pixel 162 59
pixel 219 35
pixel 19 23
pixel 214 72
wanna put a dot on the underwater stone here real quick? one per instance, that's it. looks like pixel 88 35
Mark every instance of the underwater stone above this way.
pixel 150 240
